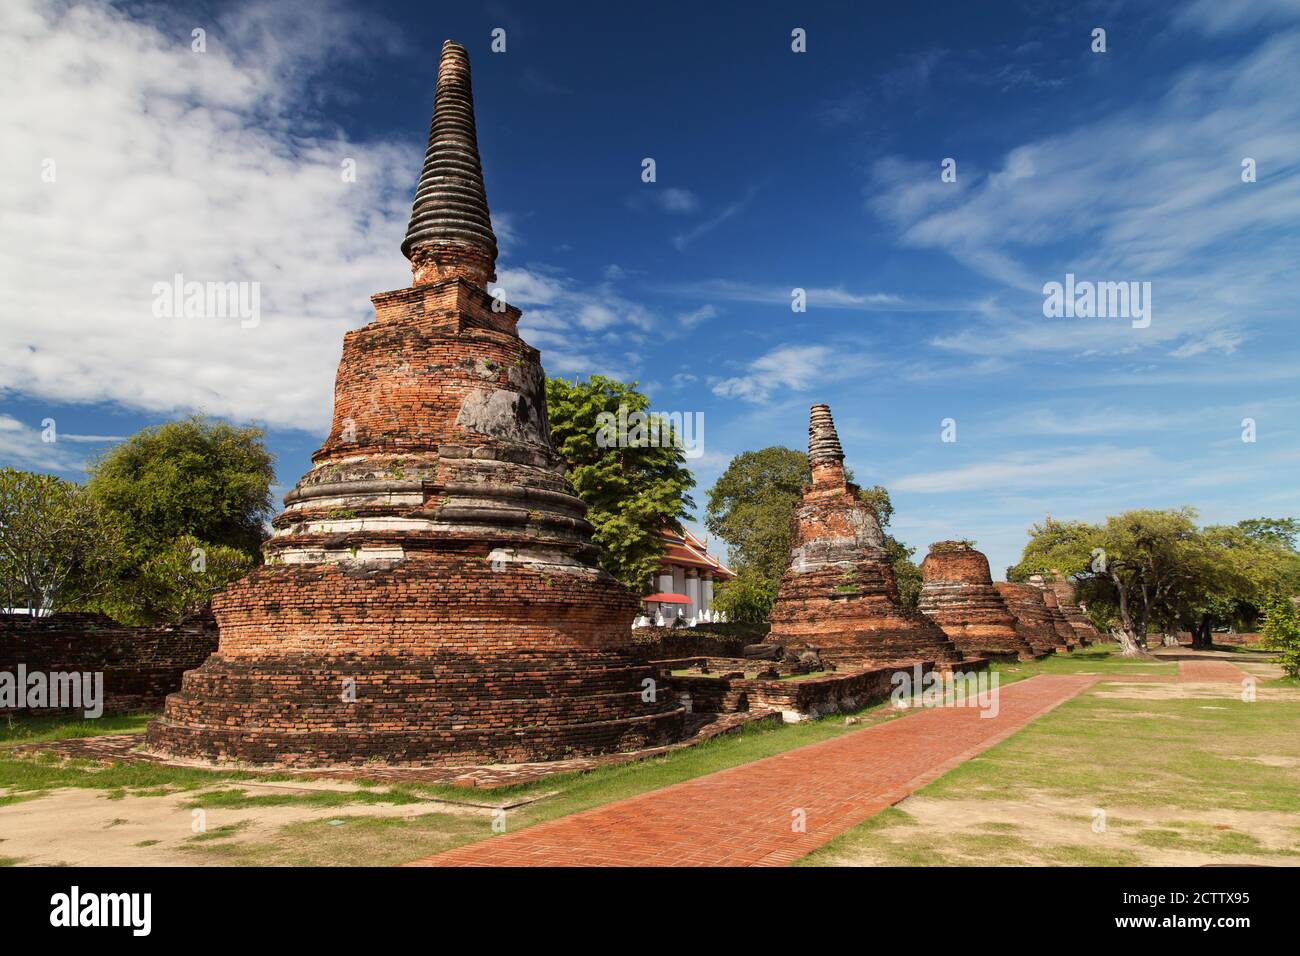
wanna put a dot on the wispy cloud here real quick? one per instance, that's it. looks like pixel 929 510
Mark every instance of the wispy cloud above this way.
pixel 684 239
pixel 1023 470
pixel 793 367
pixel 23 446
pixel 1167 206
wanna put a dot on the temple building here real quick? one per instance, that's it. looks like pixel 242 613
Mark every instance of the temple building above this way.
pixel 431 592
pixel 839 597
pixel 682 588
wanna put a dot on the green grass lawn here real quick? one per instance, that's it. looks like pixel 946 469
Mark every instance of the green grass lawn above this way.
pixel 25 730
pixel 1160 768
pixel 1102 747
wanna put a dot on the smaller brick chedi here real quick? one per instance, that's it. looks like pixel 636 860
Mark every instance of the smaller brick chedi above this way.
pixel 839 596
pixel 1063 628
pixel 431 592
pixel 1033 619
pixel 1075 615
pixel 957 593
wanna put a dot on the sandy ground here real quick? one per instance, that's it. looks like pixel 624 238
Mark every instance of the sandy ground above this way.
pixel 1042 820
pixel 82 827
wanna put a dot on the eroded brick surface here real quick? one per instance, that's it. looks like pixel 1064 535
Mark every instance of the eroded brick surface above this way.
pixel 957 593
pixel 431 593
pixel 140 665
pixel 839 595
pixel 1034 619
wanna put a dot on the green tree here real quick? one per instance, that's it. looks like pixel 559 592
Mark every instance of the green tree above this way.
pixel 746 598
pixel 184 576
pixel 1282 631
pixel 194 483
pixel 56 553
pixel 195 477
pixel 635 485
pixel 751 507
pixel 1156 570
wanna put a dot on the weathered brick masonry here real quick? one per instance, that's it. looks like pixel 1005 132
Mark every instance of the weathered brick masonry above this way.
pixel 431 592
pixel 1075 615
pixel 1033 619
pixel 839 596
pixel 1063 627
pixel 957 593
pixel 141 665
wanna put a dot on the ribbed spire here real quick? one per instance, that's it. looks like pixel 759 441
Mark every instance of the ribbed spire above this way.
pixel 823 442
pixel 450 231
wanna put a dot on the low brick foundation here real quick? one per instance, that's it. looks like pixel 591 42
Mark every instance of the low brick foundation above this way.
pixel 141 665
pixel 728 689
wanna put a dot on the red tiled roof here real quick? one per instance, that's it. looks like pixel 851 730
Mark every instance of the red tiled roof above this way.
pixel 687 550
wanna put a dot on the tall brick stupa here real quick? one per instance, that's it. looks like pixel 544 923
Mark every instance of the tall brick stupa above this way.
pixel 957 593
pixel 431 592
pixel 839 595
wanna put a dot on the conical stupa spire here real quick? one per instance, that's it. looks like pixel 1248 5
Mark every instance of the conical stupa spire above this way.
pixel 450 231
pixel 823 441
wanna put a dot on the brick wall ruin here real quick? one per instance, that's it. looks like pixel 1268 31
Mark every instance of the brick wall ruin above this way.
pixel 141 665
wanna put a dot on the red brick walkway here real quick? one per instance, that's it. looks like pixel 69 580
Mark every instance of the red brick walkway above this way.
pixel 745 816
pixel 1210 671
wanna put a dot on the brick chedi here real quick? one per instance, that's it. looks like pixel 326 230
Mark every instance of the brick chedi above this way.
pixel 1077 616
pixel 1033 619
pixel 431 592
pixel 839 596
pixel 1063 628
pixel 957 593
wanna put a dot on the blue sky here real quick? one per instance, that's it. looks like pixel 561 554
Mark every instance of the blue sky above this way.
pixel 775 170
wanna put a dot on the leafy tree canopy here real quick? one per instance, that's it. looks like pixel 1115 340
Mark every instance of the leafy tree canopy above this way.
pixel 194 477
pixel 1150 569
pixel 187 500
pixel 634 486
pixel 55 550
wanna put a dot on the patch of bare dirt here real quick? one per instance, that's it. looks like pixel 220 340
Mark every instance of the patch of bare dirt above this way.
pixel 81 827
pixel 1047 821
pixel 1220 690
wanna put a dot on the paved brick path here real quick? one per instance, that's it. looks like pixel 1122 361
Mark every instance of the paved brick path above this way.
pixel 743 816
pixel 1211 671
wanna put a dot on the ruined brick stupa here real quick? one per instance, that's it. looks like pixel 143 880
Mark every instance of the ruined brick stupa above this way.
pixel 431 592
pixel 1033 619
pixel 839 596
pixel 957 593
pixel 1075 615
pixel 1063 628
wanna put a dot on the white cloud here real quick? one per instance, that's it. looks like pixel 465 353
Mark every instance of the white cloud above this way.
pixel 1150 191
pixel 1225 341
pixel 696 316
pixel 1028 470
pixel 794 367
pixel 168 161
pixel 23 447
pixel 684 239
